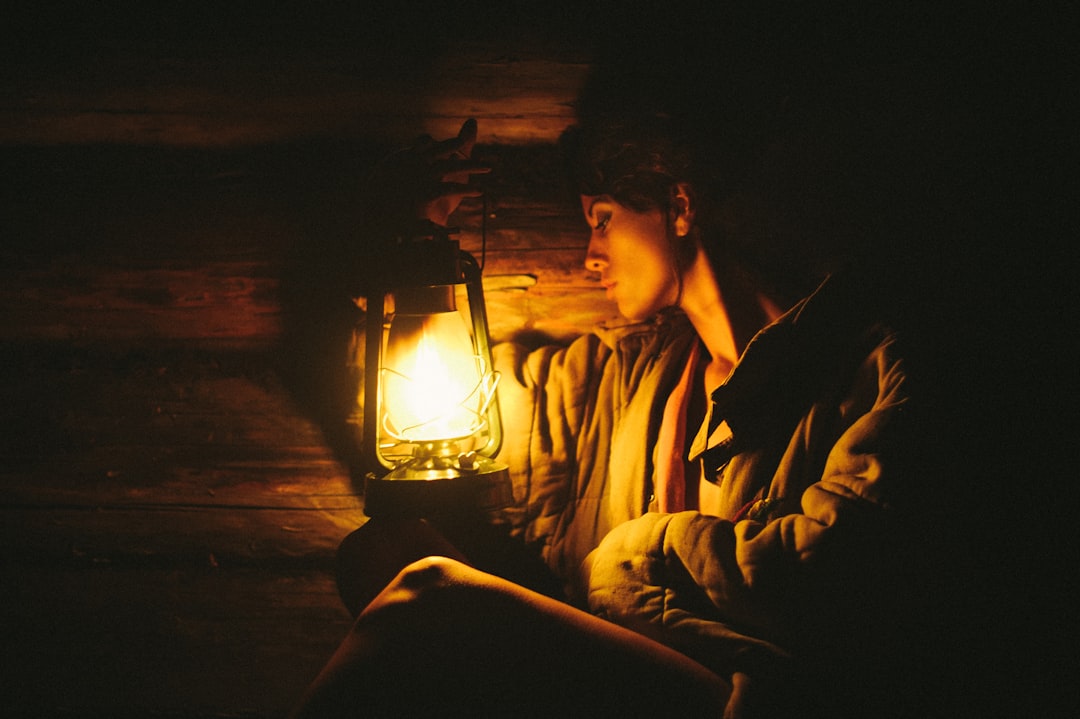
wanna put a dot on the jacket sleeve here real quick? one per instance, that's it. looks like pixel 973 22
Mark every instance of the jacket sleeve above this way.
pixel 731 593
pixel 546 397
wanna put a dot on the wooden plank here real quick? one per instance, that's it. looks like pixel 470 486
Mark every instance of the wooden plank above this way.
pixel 519 90
pixel 540 316
pixel 237 301
pixel 218 299
pixel 123 476
pixel 175 424
pixel 171 641
pixel 209 246
pixel 167 534
pixel 171 563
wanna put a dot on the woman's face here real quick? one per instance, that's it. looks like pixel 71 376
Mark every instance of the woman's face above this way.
pixel 632 252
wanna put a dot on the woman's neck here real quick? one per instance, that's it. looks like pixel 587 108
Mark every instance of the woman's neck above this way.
pixel 726 310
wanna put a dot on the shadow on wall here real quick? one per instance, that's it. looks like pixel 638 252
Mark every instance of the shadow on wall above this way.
pixel 321 277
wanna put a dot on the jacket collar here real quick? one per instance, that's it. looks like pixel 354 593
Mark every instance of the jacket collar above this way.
pixel 779 373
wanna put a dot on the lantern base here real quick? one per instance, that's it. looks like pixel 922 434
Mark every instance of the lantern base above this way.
pixel 408 492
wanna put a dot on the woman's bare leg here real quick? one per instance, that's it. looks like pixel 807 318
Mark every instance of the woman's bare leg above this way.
pixel 371 556
pixel 444 637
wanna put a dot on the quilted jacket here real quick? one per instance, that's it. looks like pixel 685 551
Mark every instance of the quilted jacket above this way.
pixel 804 455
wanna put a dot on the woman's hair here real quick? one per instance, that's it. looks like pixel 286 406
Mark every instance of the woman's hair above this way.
pixel 635 160
pixel 637 148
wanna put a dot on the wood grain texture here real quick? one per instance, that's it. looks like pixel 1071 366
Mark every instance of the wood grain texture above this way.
pixel 176 471
pixel 175 468
pixel 207 75
pixel 169 522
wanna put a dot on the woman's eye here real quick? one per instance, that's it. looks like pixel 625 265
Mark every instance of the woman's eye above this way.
pixel 602 221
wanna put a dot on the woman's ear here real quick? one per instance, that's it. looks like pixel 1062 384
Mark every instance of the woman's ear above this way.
pixel 683 208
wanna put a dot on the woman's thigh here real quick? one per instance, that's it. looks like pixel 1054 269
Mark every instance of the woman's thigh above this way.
pixel 444 636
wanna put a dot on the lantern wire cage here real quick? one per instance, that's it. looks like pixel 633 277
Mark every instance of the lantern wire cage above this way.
pixel 476 405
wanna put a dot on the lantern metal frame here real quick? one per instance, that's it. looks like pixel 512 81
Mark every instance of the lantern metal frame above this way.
pixel 437 478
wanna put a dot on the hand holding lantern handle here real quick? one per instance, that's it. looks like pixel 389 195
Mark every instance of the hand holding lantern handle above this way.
pixel 418 188
pixel 454 168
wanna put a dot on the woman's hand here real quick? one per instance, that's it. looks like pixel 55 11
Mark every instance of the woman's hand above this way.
pixel 422 185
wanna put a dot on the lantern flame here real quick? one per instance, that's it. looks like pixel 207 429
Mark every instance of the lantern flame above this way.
pixel 435 389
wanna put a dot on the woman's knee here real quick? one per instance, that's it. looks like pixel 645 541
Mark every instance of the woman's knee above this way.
pixel 432 573
pixel 371 556
pixel 425 582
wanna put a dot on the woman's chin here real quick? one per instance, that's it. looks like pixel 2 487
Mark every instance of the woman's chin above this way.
pixel 634 316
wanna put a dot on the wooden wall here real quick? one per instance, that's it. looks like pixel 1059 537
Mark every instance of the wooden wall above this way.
pixel 174 474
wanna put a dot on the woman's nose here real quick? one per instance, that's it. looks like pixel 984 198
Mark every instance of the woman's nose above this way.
pixel 594 263
pixel 595 260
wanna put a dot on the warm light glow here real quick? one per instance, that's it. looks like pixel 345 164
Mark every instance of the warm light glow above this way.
pixel 432 380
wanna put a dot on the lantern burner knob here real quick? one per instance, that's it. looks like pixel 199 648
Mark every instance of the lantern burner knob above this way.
pixel 436 448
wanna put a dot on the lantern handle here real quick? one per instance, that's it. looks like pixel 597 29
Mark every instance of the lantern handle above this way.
pixel 478 314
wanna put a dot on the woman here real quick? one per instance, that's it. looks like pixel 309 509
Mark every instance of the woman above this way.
pixel 719 485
